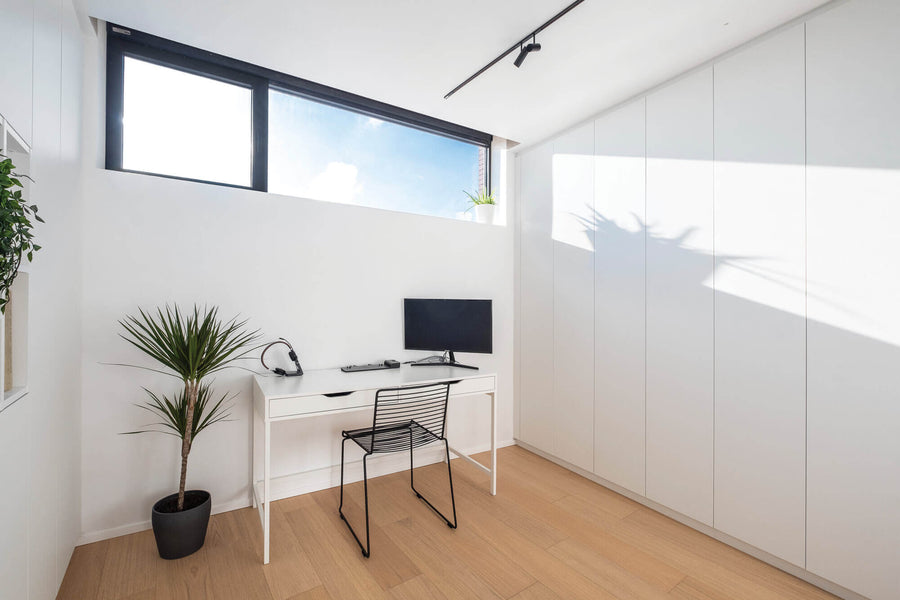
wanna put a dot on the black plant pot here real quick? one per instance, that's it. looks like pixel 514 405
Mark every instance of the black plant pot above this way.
pixel 179 534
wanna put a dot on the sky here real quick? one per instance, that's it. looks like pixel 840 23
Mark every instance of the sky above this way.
pixel 318 151
pixel 182 124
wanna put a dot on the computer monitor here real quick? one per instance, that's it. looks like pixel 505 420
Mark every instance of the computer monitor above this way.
pixel 449 326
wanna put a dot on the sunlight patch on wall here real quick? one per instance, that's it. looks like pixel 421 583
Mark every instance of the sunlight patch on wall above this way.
pixel 852 238
pixel 573 190
pixel 760 233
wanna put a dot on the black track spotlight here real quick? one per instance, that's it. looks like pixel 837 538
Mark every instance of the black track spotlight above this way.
pixel 524 51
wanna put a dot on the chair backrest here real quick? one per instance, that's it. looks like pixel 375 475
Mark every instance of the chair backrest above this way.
pixel 426 405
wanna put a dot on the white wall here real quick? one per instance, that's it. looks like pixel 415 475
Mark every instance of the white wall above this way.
pixel 751 395
pixel 328 277
pixel 39 434
pixel 853 179
pixel 16 53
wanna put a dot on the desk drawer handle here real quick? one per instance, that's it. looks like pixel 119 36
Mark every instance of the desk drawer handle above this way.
pixel 337 394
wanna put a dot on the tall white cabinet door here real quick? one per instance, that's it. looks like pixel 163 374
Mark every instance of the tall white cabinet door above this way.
pixel 15 462
pixel 619 296
pixel 680 296
pixel 573 295
pixel 536 412
pixel 853 134
pixel 760 349
pixel 16 49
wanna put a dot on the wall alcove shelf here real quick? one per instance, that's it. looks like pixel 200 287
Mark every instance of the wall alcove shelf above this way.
pixel 14 324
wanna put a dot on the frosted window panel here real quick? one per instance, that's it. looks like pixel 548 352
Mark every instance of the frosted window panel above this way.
pixel 326 153
pixel 185 125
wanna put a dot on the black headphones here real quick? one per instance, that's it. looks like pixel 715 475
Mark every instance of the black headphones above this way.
pixel 291 354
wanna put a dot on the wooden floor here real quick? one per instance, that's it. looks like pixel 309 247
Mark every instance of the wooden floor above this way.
pixel 548 534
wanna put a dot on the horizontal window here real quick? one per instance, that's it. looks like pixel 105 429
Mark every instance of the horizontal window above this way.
pixel 185 125
pixel 326 153
pixel 177 111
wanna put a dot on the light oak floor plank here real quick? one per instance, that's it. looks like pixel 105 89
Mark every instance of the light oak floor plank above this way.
pixel 290 572
pixel 234 552
pixel 418 588
pixel 538 591
pixel 549 534
pixel 605 573
pixel 712 562
pixel 85 571
pixel 333 553
pixel 449 572
pixel 388 564
pixel 317 593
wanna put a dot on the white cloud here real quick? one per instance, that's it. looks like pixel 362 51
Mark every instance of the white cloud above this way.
pixel 374 123
pixel 337 183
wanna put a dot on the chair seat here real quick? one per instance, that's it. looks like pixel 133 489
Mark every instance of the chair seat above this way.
pixel 391 438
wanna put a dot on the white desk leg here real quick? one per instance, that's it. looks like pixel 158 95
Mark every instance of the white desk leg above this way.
pixel 253 441
pixel 494 444
pixel 267 494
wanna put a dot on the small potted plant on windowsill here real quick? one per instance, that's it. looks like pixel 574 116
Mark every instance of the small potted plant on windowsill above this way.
pixel 190 347
pixel 483 203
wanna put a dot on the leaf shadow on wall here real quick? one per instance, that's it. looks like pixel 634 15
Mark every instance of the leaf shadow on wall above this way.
pixel 773 408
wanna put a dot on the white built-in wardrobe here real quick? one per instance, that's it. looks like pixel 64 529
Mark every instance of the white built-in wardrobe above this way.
pixel 710 296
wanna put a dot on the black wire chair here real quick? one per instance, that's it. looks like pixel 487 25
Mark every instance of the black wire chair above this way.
pixel 405 418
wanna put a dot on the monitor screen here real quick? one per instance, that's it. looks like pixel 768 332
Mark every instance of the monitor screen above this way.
pixel 455 325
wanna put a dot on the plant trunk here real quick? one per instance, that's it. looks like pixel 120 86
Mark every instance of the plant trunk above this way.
pixel 191 389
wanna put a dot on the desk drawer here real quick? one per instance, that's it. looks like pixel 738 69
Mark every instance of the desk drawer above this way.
pixel 479 385
pixel 302 405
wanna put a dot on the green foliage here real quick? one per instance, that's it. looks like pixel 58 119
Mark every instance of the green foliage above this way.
pixel 173 412
pixel 16 238
pixel 191 346
pixel 481 197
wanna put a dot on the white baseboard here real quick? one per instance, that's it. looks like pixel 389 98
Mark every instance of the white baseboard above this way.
pixel 105 534
pixel 734 542
pixel 309 481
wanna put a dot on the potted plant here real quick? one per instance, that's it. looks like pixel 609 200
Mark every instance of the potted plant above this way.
pixel 16 238
pixel 189 346
pixel 483 203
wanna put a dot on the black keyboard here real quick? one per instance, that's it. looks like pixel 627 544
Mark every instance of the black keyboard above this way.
pixel 371 367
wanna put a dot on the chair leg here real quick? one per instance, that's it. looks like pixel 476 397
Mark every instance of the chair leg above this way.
pixel 365 549
pixel 411 467
pixel 341 506
pixel 450 524
pixel 366 552
pixel 450 478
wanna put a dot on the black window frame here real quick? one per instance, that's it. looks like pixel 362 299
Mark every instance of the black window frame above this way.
pixel 123 41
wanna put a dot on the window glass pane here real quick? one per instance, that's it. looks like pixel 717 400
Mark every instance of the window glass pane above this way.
pixel 176 123
pixel 326 153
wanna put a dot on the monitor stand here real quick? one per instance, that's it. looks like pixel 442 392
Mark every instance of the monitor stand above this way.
pixel 448 360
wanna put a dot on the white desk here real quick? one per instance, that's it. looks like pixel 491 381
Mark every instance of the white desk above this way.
pixel 331 391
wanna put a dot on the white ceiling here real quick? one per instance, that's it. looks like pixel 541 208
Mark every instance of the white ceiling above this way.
pixel 411 52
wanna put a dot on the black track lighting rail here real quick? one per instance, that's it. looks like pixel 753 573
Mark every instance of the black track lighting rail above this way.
pixel 514 47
